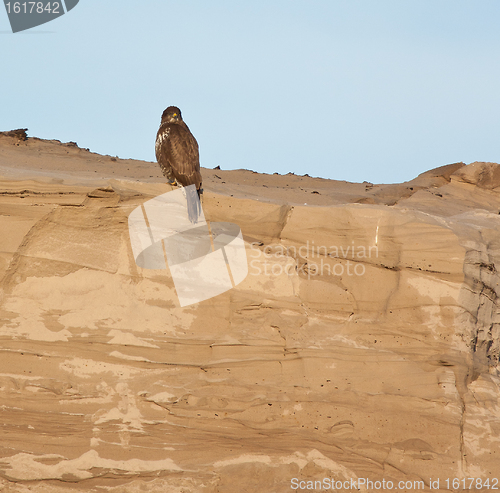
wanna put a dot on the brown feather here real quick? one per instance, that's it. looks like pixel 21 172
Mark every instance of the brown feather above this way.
pixel 178 156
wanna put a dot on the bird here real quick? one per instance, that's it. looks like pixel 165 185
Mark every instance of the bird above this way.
pixel 178 156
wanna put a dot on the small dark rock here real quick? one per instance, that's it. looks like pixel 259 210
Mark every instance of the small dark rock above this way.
pixel 19 134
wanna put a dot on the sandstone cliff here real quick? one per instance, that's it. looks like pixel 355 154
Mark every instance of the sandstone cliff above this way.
pixel 364 342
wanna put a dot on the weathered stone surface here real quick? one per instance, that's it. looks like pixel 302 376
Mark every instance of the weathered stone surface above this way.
pixel 364 342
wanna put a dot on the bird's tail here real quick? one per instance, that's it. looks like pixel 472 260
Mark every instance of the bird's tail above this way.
pixel 193 203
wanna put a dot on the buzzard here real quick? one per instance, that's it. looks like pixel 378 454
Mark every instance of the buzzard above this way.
pixel 177 154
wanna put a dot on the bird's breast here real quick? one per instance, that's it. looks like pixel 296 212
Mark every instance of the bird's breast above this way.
pixel 162 136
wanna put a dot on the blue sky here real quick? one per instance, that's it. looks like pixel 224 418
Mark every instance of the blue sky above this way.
pixel 345 89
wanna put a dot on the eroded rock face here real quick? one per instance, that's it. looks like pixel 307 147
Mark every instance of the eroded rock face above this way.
pixel 362 344
pixel 483 175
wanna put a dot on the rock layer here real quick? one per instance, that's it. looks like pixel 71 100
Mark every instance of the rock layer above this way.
pixel 364 342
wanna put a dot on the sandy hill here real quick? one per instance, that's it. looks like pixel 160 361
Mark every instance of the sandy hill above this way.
pixel 363 343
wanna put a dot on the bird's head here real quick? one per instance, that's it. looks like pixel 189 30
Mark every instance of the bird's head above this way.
pixel 171 114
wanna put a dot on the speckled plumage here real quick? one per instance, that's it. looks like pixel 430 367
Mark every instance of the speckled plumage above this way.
pixel 177 154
